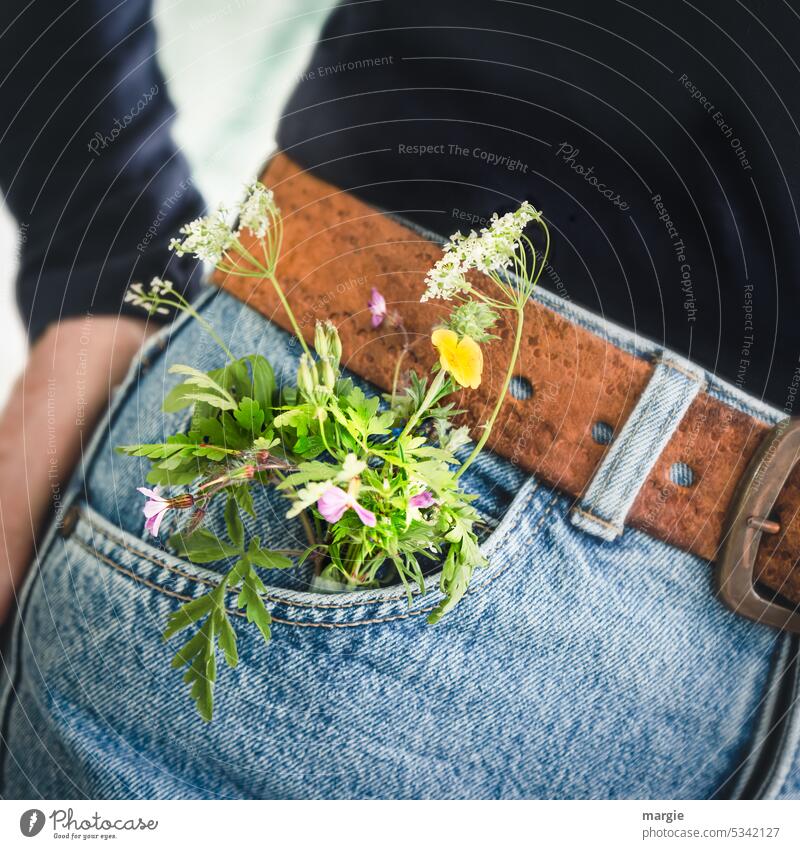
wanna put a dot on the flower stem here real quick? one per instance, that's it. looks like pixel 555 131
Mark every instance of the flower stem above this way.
pixel 295 326
pixel 304 520
pixel 403 352
pixel 270 274
pixel 184 306
pixel 432 392
pixel 501 397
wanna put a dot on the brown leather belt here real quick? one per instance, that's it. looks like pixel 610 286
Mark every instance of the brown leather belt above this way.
pixel 336 248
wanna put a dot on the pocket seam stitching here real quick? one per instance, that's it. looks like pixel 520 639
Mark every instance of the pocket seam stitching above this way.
pixel 285 602
pixel 182 597
pixel 301 624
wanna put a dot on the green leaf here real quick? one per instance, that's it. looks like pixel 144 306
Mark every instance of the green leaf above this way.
pixel 309 446
pixel 178 397
pixel 267 559
pixel 227 638
pixel 216 438
pixel 234 377
pixel 202 546
pixel 162 477
pixel 263 382
pixel 452 438
pixel 305 497
pixel 233 522
pixel 198 378
pixel 266 442
pixel 312 470
pixel 250 416
pixel 199 655
pixel 170 464
pixel 351 467
pixel 175 445
pixel 250 599
pixel 317 470
pixel 362 408
pixel 380 425
pixel 189 650
pixel 180 448
pixel 189 613
pixel 213 453
pixel 463 556
pixel 208 391
pixel 244 498
pixel 297 417
pixel 434 453
pixel 218 401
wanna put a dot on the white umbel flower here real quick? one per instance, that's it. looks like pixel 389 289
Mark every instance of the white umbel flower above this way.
pixel 207 238
pixel 137 296
pixel 160 287
pixel 258 210
pixel 491 250
pixel 445 279
pixel 497 244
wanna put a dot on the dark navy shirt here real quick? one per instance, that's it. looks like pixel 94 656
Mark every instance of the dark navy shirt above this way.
pixel 87 164
pixel 660 139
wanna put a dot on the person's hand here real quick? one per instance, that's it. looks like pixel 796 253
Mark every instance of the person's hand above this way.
pixel 46 424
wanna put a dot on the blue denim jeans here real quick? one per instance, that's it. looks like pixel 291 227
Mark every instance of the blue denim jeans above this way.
pixel 575 666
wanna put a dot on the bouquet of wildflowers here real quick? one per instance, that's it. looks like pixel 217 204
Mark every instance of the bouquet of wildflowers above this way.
pixel 374 480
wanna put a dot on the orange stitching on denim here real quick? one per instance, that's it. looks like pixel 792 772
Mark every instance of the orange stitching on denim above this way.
pixel 375 621
pixel 616 528
pixel 153 586
pixel 181 597
pixel 199 580
pixel 545 513
pixel 149 557
pixel 670 363
pixel 285 602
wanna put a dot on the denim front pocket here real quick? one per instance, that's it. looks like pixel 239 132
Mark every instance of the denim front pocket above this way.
pixel 324 709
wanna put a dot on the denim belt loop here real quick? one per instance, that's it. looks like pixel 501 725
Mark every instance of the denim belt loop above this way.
pixel 604 506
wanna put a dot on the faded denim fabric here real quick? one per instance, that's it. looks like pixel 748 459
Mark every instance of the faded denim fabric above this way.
pixel 574 667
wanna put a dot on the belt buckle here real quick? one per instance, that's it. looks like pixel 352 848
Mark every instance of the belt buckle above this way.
pixel 748 518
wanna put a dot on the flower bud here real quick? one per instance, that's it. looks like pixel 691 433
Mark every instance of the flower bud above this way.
pixel 195 520
pixel 326 374
pixel 336 345
pixel 321 340
pixel 327 342
pixel 305 378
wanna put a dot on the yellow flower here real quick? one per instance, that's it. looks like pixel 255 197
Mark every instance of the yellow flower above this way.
pixel 463 359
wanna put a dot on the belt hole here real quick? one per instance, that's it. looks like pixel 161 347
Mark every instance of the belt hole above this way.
pixel 681 474
pixel 602 433
pixel 520 388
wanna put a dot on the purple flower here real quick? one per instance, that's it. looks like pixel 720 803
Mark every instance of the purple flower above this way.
pixel 154 509
pixel 421 500
pixel 377 306
pixel 335 502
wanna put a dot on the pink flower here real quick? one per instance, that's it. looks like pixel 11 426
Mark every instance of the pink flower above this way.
pixel 154 509
pixel 421 500
pixel 335 502
pixel 377 306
